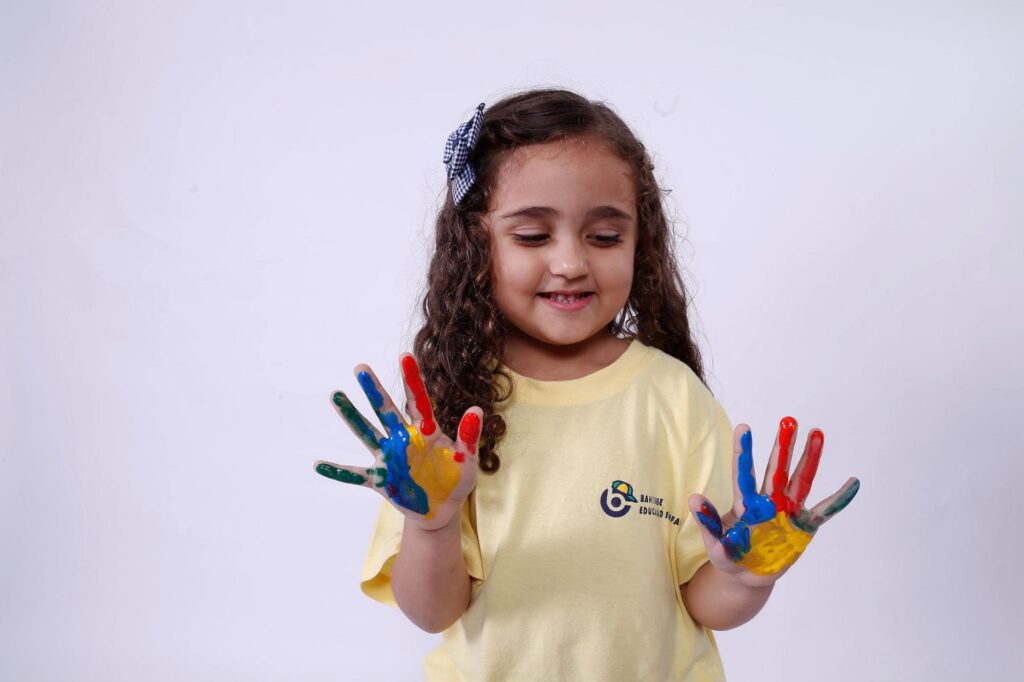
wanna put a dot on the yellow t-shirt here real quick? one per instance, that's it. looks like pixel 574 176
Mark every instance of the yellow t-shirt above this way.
pixel 577 546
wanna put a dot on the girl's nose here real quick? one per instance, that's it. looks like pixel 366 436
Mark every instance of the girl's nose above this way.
pixel 570 262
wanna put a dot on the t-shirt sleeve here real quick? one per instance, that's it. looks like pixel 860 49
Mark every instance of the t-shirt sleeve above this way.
pixel 708 472
pixel 386 541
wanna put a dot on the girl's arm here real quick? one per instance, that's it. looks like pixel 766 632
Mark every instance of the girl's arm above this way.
pixel 719 601
pixel 429 579
pixel 426 476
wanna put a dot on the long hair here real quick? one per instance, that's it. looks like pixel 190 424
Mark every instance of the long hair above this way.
pixel 459 347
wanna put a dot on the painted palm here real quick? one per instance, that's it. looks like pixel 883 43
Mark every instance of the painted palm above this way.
pixel 422 471
pixel 765 533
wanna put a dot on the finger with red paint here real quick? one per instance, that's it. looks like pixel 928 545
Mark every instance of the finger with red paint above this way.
pixel 792 499
pixel 803 476
pixel 421 411
pixel 417 402
pixel 776 476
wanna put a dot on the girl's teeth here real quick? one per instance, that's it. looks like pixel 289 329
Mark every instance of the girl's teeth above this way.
pixel 566 299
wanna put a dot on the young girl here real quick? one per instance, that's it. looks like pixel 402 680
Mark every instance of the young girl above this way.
pixel 557 359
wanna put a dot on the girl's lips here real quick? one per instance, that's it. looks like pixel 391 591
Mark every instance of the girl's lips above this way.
pixel 577 303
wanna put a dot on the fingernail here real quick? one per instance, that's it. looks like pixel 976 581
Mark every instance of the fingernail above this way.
pixel 469 430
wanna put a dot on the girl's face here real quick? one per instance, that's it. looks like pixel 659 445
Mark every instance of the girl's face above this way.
pixel 563 229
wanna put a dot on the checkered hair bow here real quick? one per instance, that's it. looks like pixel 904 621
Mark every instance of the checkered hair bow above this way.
pixel 461 174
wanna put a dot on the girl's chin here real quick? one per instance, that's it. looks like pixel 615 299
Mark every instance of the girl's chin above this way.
pixel 572 338
pixel 559 336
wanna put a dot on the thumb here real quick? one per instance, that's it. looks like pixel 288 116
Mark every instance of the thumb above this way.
pixel 708 518
pixel 469 435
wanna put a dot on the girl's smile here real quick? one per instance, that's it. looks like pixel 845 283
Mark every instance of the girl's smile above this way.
pixel 568 301
pixel 563 237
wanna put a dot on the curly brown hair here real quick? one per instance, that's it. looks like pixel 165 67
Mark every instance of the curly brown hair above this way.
pixel 459 346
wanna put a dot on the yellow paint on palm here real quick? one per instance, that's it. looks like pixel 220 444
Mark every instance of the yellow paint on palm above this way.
pixel 774 545
pixel 436 470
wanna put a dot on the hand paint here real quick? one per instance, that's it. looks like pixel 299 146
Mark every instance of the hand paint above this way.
pixel 417 477
pixel 418 468
pixel 414 381
pixel 469 431
pixel 347 476
pixel 775 529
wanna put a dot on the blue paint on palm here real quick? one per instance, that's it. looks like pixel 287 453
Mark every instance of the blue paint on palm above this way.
pixel 400 486
pixel 737 541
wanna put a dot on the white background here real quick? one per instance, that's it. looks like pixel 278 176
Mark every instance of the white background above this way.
pixel 209 212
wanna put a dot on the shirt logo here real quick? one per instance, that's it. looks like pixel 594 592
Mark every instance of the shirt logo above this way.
pixel 614 499
pixel 615 502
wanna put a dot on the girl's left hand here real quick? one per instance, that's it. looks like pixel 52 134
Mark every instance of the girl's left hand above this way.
pixel 764 534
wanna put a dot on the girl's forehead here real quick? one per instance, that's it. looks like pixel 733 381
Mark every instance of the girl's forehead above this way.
pixel 576 166
pixel 564 151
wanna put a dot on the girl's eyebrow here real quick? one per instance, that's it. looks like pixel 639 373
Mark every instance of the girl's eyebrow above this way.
pixel 598 212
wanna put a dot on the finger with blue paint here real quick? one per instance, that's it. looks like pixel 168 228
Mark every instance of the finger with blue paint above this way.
pixel 401 487
pixel 417 467
pixel 757 508
pixel 735 542
pixel 765 533
pixel 748 506
pixel 382 404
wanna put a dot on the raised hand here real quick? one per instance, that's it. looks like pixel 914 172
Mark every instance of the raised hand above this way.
pixel 764 534
pixel 421 470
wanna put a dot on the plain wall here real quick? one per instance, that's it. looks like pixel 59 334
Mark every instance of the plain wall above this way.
pixel 210 212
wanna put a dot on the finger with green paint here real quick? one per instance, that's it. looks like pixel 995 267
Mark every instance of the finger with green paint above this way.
pixel 422 471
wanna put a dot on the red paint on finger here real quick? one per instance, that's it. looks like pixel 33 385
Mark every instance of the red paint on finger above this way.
pixel 787 427
pixel 415 383
pixel 469 430
pixel 803 483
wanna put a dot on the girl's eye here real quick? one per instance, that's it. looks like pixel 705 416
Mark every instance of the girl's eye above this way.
pixel 601 239
pixel 529 238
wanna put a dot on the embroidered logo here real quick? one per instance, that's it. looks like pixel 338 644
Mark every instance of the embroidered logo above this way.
pixel 614 499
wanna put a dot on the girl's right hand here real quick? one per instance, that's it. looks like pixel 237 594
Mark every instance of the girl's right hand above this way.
pixel 419 469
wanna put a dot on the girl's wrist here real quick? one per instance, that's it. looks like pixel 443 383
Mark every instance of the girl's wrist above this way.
pixel 454 523
pixel 746 582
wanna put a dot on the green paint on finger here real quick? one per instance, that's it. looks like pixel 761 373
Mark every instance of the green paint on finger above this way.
pixel 381 473
pixel 805 522
pixel 338 474
pixel 810 523
pixel 840 502
pixel 355 420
